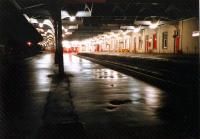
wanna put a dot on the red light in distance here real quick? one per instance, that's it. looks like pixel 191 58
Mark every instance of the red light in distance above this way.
pixel 29 43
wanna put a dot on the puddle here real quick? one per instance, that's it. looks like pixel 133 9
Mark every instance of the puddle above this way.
pixel 112 85
pixel 120 102
pixel 111 108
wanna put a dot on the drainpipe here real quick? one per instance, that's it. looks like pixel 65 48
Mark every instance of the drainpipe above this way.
pixel 181 36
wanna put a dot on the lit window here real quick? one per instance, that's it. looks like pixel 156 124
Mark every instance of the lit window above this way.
pixel 140 42
pixel 165 39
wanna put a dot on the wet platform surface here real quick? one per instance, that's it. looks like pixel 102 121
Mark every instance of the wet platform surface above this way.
pixel 108 104
pixel 155 56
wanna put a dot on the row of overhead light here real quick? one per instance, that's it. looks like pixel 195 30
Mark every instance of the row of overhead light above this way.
pixel 96 39
pixel 65 14
pixel 47 34
pixel 137 29
pixel 124 30
pixel 87 12
pixel 50 32
pixel 49 23
pixel 69 29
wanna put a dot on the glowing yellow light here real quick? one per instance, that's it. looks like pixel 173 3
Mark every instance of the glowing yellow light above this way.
pixel 41 25
pixel 153 25
pixel 72 18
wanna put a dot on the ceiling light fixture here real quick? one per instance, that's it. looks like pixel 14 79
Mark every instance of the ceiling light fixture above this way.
pixel 154 25
pixel 127 27
pixel 66 30
pixel 195 34
pixel 136 30
pixel 48 23
pixel 83 14
pixel 72 18
pixel 64 14
pixel 33 21
pixel 68 33
pixel 41 25
pixel 73 27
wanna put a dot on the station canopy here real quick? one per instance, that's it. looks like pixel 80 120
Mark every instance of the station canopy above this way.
pixel 95 17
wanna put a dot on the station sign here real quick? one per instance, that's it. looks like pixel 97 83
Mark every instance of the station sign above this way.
pixel 195 34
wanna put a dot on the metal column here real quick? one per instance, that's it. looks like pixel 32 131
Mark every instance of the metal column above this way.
pixel 59 48
pixel 56 42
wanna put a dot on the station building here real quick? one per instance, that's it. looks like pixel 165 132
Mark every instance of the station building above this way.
pixel 179 37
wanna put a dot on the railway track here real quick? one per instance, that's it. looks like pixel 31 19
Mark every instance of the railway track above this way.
pixel 163 78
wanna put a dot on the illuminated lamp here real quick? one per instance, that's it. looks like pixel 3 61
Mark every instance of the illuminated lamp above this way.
pixel 83 14
pixel 48 23
pixel 68 33
pixel 41 25
pixel 33 21
pixel 66 30
pixel 73 27
pixel 127 27
pixel 195 34
pixel 29 43
pixel 153 25
pixel 72 18
pixel 136 30
pixel 64 14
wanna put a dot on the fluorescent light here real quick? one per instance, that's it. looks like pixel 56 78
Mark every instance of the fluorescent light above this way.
pixel 83 14
pixel 153 25
pixel 72 18
pixel 68 33
pixel 66 30
pixel 50 31
pixel 73 27
pixel 41 25
pixel 48 23
pixel 136 30
pixel 195 34
pixel 127 27
pixel 26 16
pixel 64 14
pixel 33 21
pixel 40 30
pixel 43 35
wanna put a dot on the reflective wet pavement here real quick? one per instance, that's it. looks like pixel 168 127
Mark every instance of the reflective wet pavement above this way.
pixel 109 104
pixel 24 87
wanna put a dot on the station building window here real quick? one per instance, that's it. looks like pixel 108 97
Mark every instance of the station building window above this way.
pixel 164 40
pixel 135 45
pixel 140 42
pixel 147 43
pixel 125 44
pixel 155 41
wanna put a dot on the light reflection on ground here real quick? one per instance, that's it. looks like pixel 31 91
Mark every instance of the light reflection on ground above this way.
pixel 98 84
